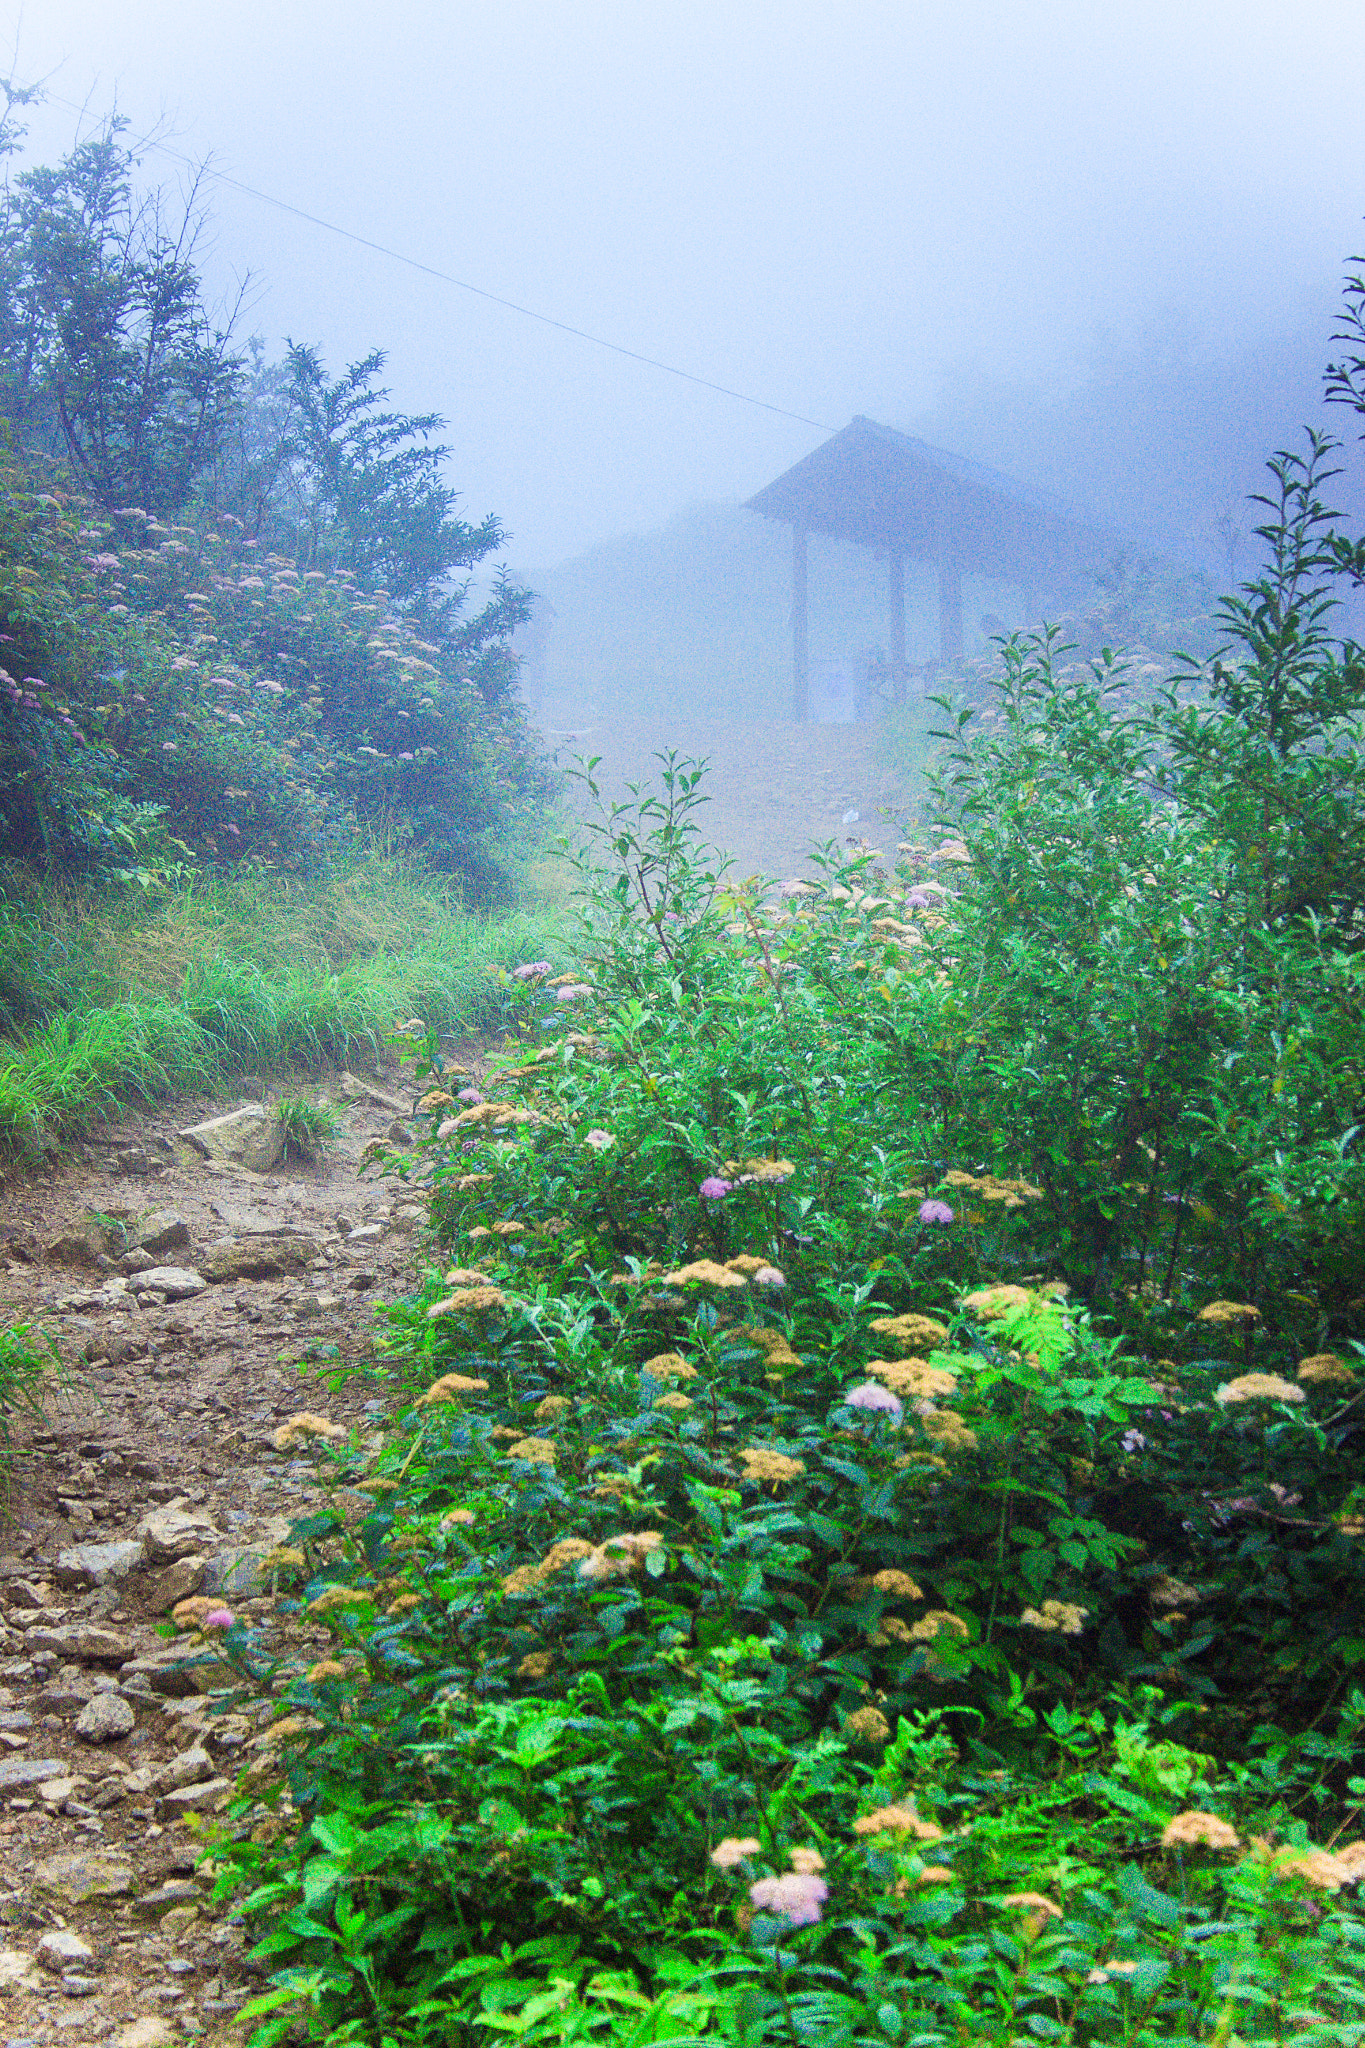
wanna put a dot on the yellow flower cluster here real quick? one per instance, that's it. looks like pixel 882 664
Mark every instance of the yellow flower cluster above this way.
pixel 615 1558
pixel 1325 1369
pixel 674 1403
pixel 436 1098
pixel 939 1622
pixel 1192 1829
pixel 484 1115
pixel 703 1273
pixel 1013 1193
pixel 669 1365
pixel 767 1466
pixel 334 1597
pixel 997 1304
pixel 910 1329
pixel 551 1408
pixel 305 1424
pixel 948 1432
pixel 448 1387
pixel 896 1585
pixel 536 1450
pixel 466 1276
pixel 868 1724
pixel 1167 1592
pixel 760 1172
pixel 536 1664
pixel 1258 1386
pixel 1227 1312
pixel 898 1820
pixel 913 1379
pixel 466 1183
pixel 778 1355
pixel 1056 1617
pixel 468 1301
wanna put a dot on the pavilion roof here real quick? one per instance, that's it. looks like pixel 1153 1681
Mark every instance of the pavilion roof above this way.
pixel 879 488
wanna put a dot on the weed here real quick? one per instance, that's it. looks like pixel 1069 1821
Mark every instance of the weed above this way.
pixel 308 1127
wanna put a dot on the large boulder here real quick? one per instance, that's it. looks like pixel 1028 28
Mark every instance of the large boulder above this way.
pixel 95 1564
pixel 260 1255
pixel 163 1231
pixel 176 1531
pixel 251 1137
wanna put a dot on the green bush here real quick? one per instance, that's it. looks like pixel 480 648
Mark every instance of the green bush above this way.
pixel 726 1513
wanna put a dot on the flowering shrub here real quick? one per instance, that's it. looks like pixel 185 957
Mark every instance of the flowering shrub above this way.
pixel 780 1613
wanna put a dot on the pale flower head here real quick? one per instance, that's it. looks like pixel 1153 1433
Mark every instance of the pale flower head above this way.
pixel 1188 1829
pixel 1258 1386
pixel 767 1466
pixel 1056 1617
pixel 807 1862
pixel 896 1585
pixel 599 1141
pixel 935 1212
pixel 795 1898
pixel 1324 1369
pixel 734 1849
pixel 868 1724
pixel 1227 1312
pixel 900 1819
pixel 713 1188
pixel 874 1400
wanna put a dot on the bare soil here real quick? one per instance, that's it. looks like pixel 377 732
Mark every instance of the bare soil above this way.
pixel 174 1402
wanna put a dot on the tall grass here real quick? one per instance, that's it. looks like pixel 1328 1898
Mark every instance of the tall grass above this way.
pixel 109 1002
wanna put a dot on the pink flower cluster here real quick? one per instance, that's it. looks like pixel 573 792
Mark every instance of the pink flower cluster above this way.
pixel 875 1400
pixel 797 1897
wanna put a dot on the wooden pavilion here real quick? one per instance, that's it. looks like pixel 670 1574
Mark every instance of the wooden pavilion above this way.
pixel 912 502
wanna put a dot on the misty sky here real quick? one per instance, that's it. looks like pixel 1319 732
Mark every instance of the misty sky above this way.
pixel 952 217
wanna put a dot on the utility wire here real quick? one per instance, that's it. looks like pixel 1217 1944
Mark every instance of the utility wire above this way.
pixel 462 284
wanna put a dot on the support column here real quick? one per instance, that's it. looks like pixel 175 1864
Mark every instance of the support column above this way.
pixel 896 607
pixel 800 642
pixel 949 611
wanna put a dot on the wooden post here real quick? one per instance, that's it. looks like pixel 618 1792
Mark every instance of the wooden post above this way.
pixel 896 563
pixel 800 642
pixel 949 611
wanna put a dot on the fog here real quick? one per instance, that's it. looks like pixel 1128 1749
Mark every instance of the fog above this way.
pixel 1099 249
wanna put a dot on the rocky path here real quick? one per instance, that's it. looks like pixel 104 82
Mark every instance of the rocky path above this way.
pixel 185 1285
pixel 773 791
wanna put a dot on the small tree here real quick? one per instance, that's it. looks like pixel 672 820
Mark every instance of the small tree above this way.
pixel 107 351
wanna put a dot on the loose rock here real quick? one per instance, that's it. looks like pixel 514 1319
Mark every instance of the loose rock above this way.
pixel 260 1255
pixel 173 1532
pixel 165 1230
pixel 94 1564
pixel 249 1137
pixel 86 1645
pixel 176 1283
pixel 18 1771
pixel 80 1874
pixel 176 1583
pixel 61 1950
pixel 105 1718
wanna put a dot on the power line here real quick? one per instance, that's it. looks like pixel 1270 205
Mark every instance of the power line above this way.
pixel 462 284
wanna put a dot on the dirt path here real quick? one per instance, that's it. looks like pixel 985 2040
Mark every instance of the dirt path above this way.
pixel 773 790
pixel 154 1478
